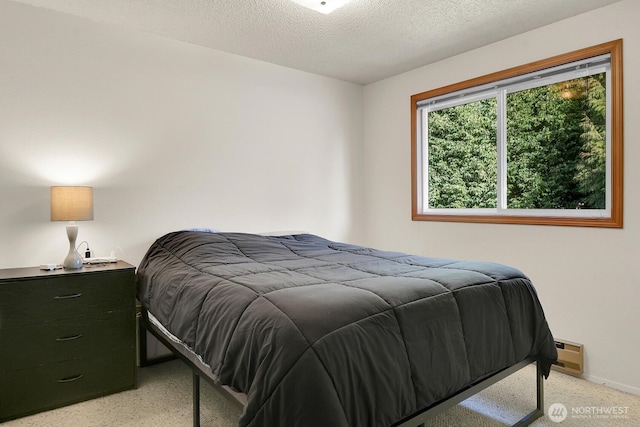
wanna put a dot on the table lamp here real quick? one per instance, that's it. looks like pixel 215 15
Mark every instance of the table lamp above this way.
pixel 72 204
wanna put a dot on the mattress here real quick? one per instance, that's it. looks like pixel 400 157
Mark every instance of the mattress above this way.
pixel 318 333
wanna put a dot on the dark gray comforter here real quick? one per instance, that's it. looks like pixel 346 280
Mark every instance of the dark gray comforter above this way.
pixel 319 333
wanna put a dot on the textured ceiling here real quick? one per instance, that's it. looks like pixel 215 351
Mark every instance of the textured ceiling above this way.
pixel 362 42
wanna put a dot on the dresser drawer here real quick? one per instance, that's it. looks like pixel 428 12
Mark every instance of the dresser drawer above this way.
pixel 24 302
pixel 27 391
pixel 38 343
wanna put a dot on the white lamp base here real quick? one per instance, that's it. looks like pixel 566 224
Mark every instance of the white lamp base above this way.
pixel 73 261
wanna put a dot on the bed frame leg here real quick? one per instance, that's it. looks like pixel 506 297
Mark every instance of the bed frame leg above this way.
pixel 540 388
pixel 539 411
pixel 196 400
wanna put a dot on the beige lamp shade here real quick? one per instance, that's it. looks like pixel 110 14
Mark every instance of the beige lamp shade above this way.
pixel 71 203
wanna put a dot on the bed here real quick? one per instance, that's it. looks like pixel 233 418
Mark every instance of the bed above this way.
pixel 305 331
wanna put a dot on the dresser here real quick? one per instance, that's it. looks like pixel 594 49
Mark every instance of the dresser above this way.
pixel 65 336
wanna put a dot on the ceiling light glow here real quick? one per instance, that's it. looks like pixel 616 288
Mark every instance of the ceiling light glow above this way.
pixel 322 6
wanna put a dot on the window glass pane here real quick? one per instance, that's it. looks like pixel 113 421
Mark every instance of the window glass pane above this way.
pixel 556 145
pixel 462 156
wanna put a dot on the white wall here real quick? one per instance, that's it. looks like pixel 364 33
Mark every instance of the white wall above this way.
pixel 587 279
pixel 169 134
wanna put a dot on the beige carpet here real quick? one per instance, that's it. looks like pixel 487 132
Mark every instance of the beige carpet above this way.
pixel 163 398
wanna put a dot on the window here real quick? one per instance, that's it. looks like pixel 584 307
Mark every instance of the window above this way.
pixel 536 144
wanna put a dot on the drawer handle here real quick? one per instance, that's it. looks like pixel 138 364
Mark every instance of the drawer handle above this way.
pixel 69 338
pixel 67 296
pixel 70 379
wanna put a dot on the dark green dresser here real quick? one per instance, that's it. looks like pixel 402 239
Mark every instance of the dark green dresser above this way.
pixel 65 336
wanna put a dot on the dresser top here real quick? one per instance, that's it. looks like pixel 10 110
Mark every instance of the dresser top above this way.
pixel 35 272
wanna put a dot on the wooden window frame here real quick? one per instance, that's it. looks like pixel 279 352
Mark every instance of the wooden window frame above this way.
pixel 614 220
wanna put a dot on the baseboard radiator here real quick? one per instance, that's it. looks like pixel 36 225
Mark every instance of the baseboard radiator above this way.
pixel 570 357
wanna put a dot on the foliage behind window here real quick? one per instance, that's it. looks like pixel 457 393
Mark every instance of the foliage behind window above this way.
pixel 556 146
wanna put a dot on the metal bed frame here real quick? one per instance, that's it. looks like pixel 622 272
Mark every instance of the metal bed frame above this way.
pixel 416 420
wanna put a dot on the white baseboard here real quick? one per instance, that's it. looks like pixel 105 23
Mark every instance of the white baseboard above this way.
pixel 618 386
